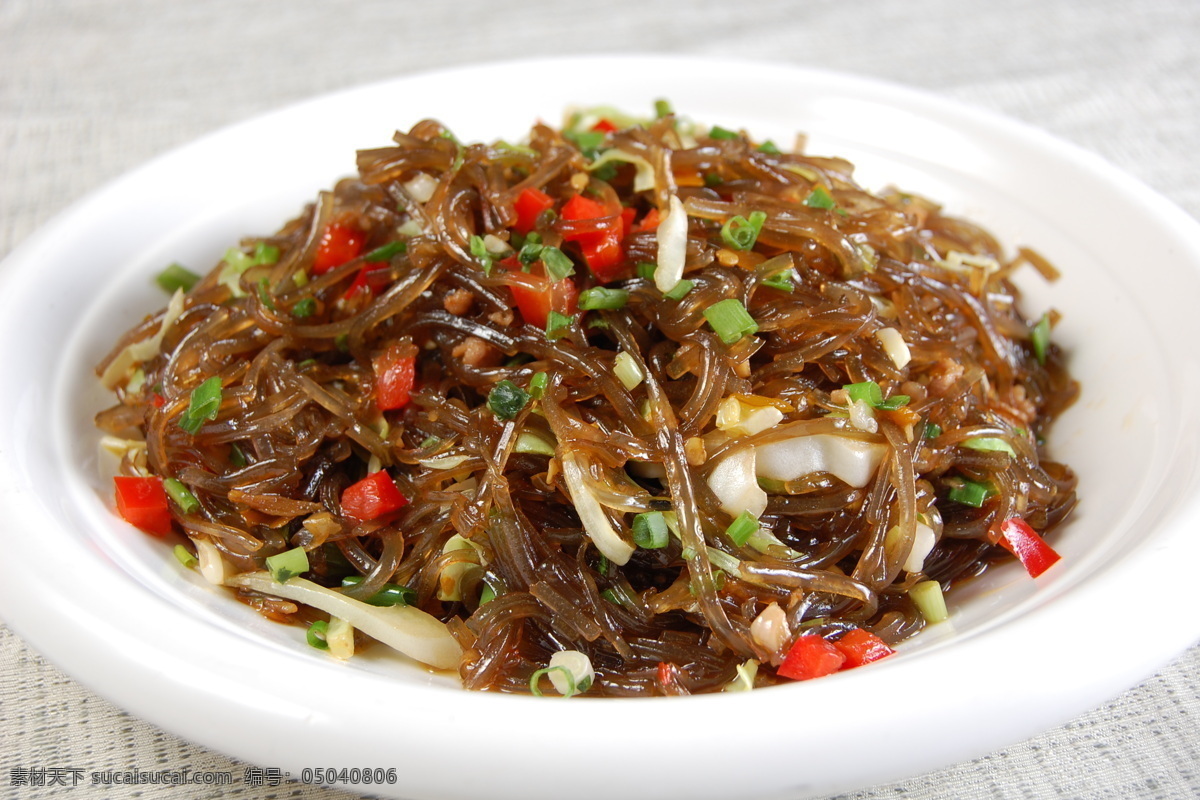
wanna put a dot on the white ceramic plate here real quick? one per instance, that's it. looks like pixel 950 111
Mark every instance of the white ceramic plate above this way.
pixel 111 607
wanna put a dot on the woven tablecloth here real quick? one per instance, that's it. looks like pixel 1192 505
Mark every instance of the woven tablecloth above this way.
pixel 92 88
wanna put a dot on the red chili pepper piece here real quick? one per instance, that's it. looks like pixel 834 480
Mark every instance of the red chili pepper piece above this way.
pixel 536 296
pixel 372 497
pixel 339 244
pixel 811 657
pixel 862 647
pixel 649 222
pixel 604 126
pixel 529 205
pixel 599 242
pixel 1027 545
pixel 395 374
pixel 142 502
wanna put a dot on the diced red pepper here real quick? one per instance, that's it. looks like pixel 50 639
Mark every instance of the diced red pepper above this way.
pixel 1027 545
pixel 811 656
pixel 650 221
pixel 142 502
pixel 372 277
pixel 862 647
pixel 372 497
pixel 339 244
pixel 604 126
pixel 158 400
pixel 529 205
pixel 539 296
pixel 600 242
pixel 395 374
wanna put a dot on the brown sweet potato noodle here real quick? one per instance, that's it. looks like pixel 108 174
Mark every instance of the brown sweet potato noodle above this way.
pixel 864 415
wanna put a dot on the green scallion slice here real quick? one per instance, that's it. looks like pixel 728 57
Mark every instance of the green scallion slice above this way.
pixel 662 108
pixel 969 493
pixel 506 399
pixel 742 528
pixel 390 594
pixel 730 319
pixel 769 147
pixel 1039 337
pixel 645 270
pixel 480 251
pixel 741 233
pixel 538 384
pixel 265 254
pixel 680 290
pixel 317 633
pixel 894 402
pixel 820 197
pixel 175 277
pixel 866 392
pixel 783 281
pixel 990 443
pixel 204 404
pixel 558 265
pixel 599 297
pixel 628 370
pixel 718 132
pixel 387 252
pixel 287 564
pixel 179 493
pixel 932 430
pixel 185 557
pixel 305 307
pixel 237 456
pixel 557 325
pixel 650 530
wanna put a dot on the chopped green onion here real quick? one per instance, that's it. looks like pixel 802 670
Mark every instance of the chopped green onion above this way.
pixel 204 405
pixel 316 635
pixel 730 319
pixel 783 281
pixel 628 371
pixel 645 270
pixel 820 197
pixel 867 392
pixel 929 600
pixel 236 456
pixel 185 556
pixel 176 276
pixel 680 290
pixel 712 179
pixel 557 325
pixel 718 132
pixel 742 528
pixel 650 530
pixel 599 297
pixel 662 108
pixel 390 594
pixel 480 251
pixel 183 498
pixel 487 594
pixel 741 233
pixel 990 443
pixel 536 678
pixel 305 307
pixel 769 147
pixel 932 430
pixel 558 265
pixel 894 402
pixel 387 252
pixel 506 399
pixel 1040 338
pixel 538 384
pixel 264 294
pixel 265 254
pixel 287 564
pixel 533 444
pixel 969 493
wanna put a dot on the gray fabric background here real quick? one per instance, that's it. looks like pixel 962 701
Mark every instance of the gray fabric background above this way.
pixel 92 88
